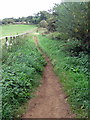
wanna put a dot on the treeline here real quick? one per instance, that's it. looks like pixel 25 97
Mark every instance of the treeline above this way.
pixel 35 19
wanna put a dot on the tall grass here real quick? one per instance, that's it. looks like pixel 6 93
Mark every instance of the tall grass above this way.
pixel 72 71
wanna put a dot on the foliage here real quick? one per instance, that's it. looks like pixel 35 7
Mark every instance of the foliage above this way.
pixel 73 73
pixel 51 24
pixel 43 24
pixel 35 19
pixel 58 36
pixel 69 24
pixel 7 21
pixel 43 15
pixel 73 46
pixel 21 74
pixel 72 18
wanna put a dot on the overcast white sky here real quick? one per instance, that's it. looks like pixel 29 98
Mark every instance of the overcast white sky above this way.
pixel 20 8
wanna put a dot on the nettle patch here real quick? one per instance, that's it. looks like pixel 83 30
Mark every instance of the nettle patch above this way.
pixel 21 74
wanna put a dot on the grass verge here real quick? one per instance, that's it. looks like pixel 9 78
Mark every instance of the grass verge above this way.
pixel 72 72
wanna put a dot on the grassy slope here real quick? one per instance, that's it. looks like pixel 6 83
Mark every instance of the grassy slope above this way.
pixel 22 70
pixel 75 83
pixel 8 30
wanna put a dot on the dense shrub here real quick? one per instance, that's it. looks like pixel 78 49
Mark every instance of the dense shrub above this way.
pixel 51 24
pixel 72 18
pixel 43 24
pixel 73 46
pixel 58 36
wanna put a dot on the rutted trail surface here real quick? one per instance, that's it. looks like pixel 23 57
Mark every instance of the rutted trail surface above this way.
pixel 50 100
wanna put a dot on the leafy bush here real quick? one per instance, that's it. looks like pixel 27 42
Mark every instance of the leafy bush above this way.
pixel 43 24
pixel 73 46
pixel 21 74
pixel 58 36
pixel 51 24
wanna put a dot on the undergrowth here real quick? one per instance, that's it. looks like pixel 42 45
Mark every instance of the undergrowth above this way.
pixel 73 73
pixel 22 67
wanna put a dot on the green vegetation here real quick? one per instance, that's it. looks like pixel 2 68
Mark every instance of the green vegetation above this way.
pixel 72 19
pixel 67 44
pixel 35 19
pixel 22 67
pixel 8 30
pixel 73 73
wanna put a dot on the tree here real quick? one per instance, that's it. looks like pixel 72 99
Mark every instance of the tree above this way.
pixel 72 18
pixel 8 21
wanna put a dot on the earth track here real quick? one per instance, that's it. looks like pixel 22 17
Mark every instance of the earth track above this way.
pixel 50 100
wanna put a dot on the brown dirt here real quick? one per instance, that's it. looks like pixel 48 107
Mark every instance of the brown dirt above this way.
pixel 50 100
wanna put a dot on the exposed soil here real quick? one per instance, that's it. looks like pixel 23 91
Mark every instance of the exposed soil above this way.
pixel 50 100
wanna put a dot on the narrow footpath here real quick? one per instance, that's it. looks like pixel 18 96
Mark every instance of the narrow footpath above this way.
pixel 50 100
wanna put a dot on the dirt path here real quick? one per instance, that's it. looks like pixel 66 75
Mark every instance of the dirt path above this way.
pixel 50 101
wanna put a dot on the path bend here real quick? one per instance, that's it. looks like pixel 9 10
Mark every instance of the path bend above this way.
pixel 51 101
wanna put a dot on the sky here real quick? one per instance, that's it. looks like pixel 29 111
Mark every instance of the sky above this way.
pixel 24 8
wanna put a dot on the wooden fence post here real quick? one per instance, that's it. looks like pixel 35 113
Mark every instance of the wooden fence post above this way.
pixel 6 39
pixel 14 38
pixel 11 39
pixel 9 42
pixel 6 42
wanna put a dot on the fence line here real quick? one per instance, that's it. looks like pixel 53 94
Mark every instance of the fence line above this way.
pixel 10 39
